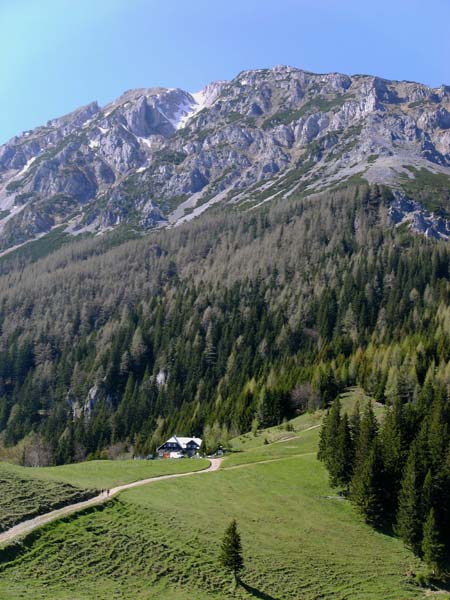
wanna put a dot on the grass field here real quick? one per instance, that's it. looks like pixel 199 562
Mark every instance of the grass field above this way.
pixel 304 443
pixel 23 497
pixel 354 395
pixel 278 433
pixel 160 542
pixel 108 473
pixel 297 436
pixel 29 492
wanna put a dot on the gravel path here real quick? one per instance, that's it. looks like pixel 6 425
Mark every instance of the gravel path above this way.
pixel 27 526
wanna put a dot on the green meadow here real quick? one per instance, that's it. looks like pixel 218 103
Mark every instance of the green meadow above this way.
pixel 292 428
pixel 103 474
pixel 161 542
pixel 23 497
pixel 26 492
pixel 301 540
pixel 279 433
pixel 305 443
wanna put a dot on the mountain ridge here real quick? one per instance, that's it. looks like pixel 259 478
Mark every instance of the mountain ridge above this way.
pixel 161 156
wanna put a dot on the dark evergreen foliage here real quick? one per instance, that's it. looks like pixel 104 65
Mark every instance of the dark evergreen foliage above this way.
pixel 434 552
pixel 409 521
pixel 344 458
pixel 400 472
pixel 367 491
pixel 365 434
pixel 231 550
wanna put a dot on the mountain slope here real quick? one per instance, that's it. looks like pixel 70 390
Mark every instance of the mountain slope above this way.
pixel 299 277
pixel 226 321
pixel 158 157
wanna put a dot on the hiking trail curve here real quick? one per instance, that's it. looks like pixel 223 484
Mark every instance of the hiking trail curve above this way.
pixel 31 524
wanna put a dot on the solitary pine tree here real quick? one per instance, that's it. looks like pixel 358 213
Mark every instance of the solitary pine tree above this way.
pixel 432 547
pixel 231 550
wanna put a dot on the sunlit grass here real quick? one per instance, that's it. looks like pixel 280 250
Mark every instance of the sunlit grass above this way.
pixel 301 540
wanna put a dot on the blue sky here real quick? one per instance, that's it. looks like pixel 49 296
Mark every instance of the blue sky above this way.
pixel 56 55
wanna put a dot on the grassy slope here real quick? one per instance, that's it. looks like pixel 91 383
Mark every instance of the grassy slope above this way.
pixel 278 433
pixel 109 473
pixel 23 497
pixel 160 542
pixel 29 492
pixel 278 441
pixel 304 443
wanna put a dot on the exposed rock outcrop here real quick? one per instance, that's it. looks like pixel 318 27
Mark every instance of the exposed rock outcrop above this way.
pixel 278 131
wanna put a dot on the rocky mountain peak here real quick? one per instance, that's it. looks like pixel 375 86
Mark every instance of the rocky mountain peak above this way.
pixel 161 156
pixel 77 118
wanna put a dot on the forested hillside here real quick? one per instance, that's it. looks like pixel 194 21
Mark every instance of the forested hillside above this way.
pixel 233 321
pixel 397 474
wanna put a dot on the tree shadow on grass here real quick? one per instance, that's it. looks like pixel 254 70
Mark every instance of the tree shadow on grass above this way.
pixel 439 585
pixel 254 592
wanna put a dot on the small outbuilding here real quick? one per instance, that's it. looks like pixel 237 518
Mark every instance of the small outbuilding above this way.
pixel 180 447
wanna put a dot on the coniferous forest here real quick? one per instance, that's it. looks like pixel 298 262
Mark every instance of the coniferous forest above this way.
pixel 397 474
pixel 233 321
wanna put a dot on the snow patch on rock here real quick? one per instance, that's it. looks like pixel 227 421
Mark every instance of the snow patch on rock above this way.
pixel 196 102
pixel 27 166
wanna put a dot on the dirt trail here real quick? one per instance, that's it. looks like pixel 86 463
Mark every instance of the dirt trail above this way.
pixel 292 437
pixel 269 460
pixel 31 524
pixel 27 526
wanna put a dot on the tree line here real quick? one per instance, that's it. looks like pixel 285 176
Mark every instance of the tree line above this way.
pixel 397 472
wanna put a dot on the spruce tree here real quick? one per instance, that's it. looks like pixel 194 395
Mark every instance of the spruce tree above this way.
pixel 355 424
pixel 323 437
pixel 231 550
pixel 393 447
pixel 409 525
pixel 436 494
pixel 432 547
pixel 203 450
pixel 341 462
pixel 438 434
pixel 329 435
pixel 427 496
pixel 367 432
pixel 366 489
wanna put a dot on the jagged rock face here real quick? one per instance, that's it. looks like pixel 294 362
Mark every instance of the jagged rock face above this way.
pixel 85 409
pixel 162 156
pixel 406 211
